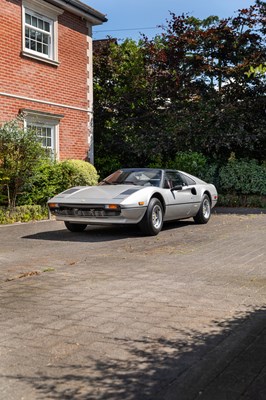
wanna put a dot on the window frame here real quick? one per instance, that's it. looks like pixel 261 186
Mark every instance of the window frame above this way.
pixel 50 34
pixel 48 13
pixel 37 119
pixel 187 179
pixel 52 127
pixel 175 177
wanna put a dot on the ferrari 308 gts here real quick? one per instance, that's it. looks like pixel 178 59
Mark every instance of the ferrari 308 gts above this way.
pixel 146 197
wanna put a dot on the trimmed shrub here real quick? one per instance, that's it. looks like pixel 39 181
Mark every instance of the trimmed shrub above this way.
pixel 54 177
pixel 243 177
pixel 78 173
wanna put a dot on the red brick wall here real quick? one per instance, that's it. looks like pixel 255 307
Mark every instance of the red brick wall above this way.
pixel 65 84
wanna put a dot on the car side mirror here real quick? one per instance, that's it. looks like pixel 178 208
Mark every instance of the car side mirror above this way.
pixel 178 187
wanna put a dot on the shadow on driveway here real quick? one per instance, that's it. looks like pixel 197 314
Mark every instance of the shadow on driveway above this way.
pixel 100 234
pixel 228 362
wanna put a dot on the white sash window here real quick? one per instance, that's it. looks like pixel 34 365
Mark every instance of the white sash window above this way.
pixel 38 34
pixel 40 30
pixel 47 127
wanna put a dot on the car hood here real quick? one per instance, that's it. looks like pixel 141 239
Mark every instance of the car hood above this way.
pixel 96 194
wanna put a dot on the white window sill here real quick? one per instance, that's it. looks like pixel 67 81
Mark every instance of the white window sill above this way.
pixel 40 58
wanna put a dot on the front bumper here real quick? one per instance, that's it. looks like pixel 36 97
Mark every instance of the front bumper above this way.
pixel 98 215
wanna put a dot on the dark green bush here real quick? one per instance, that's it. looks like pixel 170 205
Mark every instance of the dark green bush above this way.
pixel 240 183
pixel 196 164
pixel 45 181
pixel 234 200
pixel 210 174
pixel 192 162
pixel 107 165
pixel 243 177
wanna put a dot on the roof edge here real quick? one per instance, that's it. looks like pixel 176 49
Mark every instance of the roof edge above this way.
pixel 81 9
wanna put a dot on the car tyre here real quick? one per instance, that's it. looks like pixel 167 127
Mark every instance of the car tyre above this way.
pixel 152 221
pixel 204 213
pixel 75 227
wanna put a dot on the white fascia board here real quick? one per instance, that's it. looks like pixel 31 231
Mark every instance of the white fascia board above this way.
pixel 93 20
pixel 41 6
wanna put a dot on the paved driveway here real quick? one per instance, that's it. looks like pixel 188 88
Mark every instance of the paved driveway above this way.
pixel 109 314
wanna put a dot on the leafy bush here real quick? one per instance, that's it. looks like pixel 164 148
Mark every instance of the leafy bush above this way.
pixel 243 177
pixel 237 177
pixel 192 162
pixel 45 181
pixel 23 214
pixel 157 162
pixel 53 177
pixel 78 173
pixel 20 152
pixel 210 174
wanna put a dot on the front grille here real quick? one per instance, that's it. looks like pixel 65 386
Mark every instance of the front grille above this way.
pixel 85 212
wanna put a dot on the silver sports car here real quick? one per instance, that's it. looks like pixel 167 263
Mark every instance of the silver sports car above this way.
pixel 142 196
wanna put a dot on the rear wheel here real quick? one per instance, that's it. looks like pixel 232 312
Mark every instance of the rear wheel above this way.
pixel 75 227
pixel 152 221
pixel 204 213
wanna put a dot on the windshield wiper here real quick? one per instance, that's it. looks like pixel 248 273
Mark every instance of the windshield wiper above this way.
pixel 109 183
pixel 128 183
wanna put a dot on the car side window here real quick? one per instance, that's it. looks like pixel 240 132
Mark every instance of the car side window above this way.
pixel 173 178
pixel 188 180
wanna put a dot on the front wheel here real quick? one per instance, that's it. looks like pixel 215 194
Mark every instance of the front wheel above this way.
pixel 152 221
pixel 75 227
pixel 204 213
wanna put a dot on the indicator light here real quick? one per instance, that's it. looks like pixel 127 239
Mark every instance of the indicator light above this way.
pixel 53 205
pixel 112 206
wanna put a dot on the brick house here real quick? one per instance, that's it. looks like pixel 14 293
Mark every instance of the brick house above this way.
pixel 46 71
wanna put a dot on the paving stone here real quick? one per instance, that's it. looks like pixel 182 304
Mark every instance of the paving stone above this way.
pixel 179 316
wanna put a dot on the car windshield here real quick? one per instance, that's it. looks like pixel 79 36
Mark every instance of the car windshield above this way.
pixel 139 177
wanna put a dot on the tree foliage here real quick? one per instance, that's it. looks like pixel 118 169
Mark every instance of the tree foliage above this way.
pixel 20 152
pixel 185 90
pixel 123 105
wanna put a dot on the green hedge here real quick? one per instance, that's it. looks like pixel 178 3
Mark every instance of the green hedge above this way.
pixel 191 162
pixel 243 177
pixel 234 200
pixel 23 214
pixel 240 183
